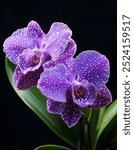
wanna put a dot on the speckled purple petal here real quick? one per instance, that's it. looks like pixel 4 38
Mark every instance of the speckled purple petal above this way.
pixel 57 29
pixel 104 98
pixel 53 83
pixel 67 59
pixel 28 60
pixel 94 67
pixel 34 30
pixel 57 39
pixel 69 51
pixel 55 107
pixel 71 114
pixel 69 63
pixel 21 39
pixel 31 60
pixel 71 74
pixel 88 91
pixel 49 64
pixel 24 82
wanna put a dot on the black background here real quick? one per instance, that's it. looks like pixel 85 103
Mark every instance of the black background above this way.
pixel 93 23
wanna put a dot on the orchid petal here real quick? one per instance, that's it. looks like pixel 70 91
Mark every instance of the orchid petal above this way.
pixel 94 67
pixel 71 114
pixel 57 39
pixel 21 39
pixel 104 98
pixel 53 83
pixel 55 107
pixel 26 81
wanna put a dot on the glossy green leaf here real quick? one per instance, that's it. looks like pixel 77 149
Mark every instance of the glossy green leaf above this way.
pixel 108 137
pixel 94 124
pixel 110 113
pixel 51 147
pixel 107 119
pixel 87 113
pixel 36 101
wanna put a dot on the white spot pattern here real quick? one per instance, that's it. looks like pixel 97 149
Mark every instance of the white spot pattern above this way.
pixel 53 83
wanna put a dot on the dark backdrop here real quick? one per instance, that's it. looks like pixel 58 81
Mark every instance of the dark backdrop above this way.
pixel 94 27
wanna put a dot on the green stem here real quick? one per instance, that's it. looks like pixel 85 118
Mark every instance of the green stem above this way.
pixel 87 144
pixel 81 134
pixel 84 136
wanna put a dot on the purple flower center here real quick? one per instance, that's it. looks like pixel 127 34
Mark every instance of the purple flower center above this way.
pixel 36 61
pixel 80 92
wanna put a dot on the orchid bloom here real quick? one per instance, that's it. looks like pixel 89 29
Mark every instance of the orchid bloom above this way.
pixel 32 51
pixel 76 85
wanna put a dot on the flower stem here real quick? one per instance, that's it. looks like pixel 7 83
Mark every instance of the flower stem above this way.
pixel 84 134
pixel 81 134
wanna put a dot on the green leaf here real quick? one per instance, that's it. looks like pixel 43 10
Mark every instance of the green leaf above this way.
pixel 87 113
pixel 108 137
pixel 51 147
pixel 110 113
pixel 107 119
pixel 36 101
pixel 93 125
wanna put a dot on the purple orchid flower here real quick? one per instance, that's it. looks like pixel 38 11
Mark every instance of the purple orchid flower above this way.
pixel 77 85
pixel 31 49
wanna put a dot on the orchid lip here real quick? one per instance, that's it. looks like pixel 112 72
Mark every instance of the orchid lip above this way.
pixel 79 90
pixel 36 61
